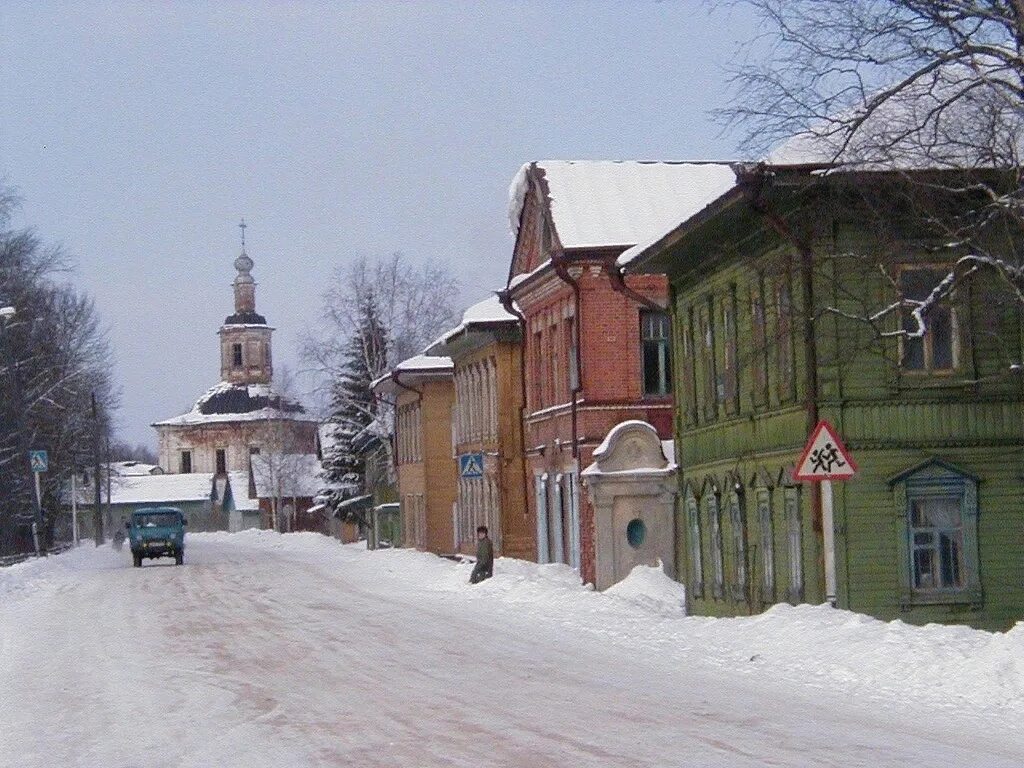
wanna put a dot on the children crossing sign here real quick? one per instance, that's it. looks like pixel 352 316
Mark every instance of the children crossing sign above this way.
pixel 39 461
pixel 471 465
pixel 825 457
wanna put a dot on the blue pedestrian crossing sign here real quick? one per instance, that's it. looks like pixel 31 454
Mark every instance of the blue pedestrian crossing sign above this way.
pixel 471 465
pixel 38 460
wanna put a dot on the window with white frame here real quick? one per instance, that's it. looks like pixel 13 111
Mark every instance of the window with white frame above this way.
pixel 541 506
pixel 714 514
pixel 693 545
pixel 794 538
pixel 767 530
pixel 738 529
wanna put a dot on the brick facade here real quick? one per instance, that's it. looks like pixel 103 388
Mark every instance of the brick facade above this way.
pixel 610 388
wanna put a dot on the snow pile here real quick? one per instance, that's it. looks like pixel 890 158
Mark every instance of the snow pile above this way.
pixel 517 197
pixel 649 587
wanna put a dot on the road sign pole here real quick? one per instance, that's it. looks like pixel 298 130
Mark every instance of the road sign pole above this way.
pixel 37 525
pixel 74 506
pixel 829 540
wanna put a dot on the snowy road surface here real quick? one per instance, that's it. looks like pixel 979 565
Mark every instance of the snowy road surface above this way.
pixel 266 650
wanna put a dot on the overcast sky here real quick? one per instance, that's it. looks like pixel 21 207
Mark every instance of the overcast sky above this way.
pixel 139 134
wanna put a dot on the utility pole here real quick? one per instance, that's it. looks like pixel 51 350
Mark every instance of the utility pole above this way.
pixel 97 512
pixel 74 501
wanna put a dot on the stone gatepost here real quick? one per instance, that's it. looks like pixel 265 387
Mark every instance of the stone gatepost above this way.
pixel 632 486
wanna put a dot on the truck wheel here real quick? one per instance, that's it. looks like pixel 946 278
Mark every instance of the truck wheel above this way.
pixel 179 558
pixel 137 559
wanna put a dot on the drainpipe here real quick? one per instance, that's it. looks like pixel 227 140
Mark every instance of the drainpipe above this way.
pixel 505 298
pixel 618 281
pixel 754 182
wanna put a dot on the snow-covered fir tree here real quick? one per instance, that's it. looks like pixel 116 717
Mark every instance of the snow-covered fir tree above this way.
pixel 353 407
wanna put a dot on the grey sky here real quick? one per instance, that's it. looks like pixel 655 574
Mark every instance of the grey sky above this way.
pixel 139 134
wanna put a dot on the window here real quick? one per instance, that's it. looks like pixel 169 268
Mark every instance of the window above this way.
pixel 713 512
pixel 939 513
pixel 689 380
pixel 794 540
pixel 784 345
pixel 555 338
pixel 540 501
pixel 694 546
pixel 766 528
pixel 654 338
pixel 573 361
pixel 729 391
pixel 236 355
pixel 222 461
pixel 737 524
pixel 254 450
pixel 185 463
pixel 936 350
pixel 760 338
pixel 707 361
pixel 538 369
pixel 937 543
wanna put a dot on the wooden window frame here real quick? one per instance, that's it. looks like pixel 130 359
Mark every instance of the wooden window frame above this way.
pixel 928 340
pixel 694 544
pixel 937 479
pixel 793 513
pixel 738 528
pixel 766 529
pixel 713 510
pixel 663 344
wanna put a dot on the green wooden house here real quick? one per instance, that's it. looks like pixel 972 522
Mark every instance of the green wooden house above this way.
pixel 770 288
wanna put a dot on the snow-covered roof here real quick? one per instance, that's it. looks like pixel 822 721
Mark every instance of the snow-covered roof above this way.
pixel 240 492
pixel 487 312
pixel 133 468
pixel 604 203
pixel 948 118
pixel 160 489
pixel 287 474
pixel 229 402
pixel 425 363
pixel 631 254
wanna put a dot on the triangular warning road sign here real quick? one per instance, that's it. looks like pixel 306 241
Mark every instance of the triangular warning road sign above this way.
pixel 825 457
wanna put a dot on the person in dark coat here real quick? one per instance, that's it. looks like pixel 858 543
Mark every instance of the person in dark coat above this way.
pixel 484 567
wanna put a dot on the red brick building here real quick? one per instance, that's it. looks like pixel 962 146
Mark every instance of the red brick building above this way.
pixel 596 350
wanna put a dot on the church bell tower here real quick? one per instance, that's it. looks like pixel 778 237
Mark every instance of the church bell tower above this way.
pixel 245 336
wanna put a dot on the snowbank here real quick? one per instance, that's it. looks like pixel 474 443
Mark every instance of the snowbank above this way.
pixel 648 586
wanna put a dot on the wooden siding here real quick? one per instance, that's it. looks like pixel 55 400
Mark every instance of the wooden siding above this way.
pixel 748 430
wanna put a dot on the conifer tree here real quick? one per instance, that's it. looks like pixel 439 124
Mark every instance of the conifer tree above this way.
pixel 353 407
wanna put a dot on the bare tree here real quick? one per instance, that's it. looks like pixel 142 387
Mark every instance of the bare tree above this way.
pixel 54 356
pixel 376 314
pixel 415 302
pixel 282 466
pixel 932 90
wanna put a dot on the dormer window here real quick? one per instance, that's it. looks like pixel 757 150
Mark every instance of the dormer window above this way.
pixel 236 355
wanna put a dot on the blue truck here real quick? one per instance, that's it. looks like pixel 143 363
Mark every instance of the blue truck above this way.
pixel 157 532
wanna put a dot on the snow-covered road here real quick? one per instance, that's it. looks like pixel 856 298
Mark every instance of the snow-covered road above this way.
pixel 266 650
